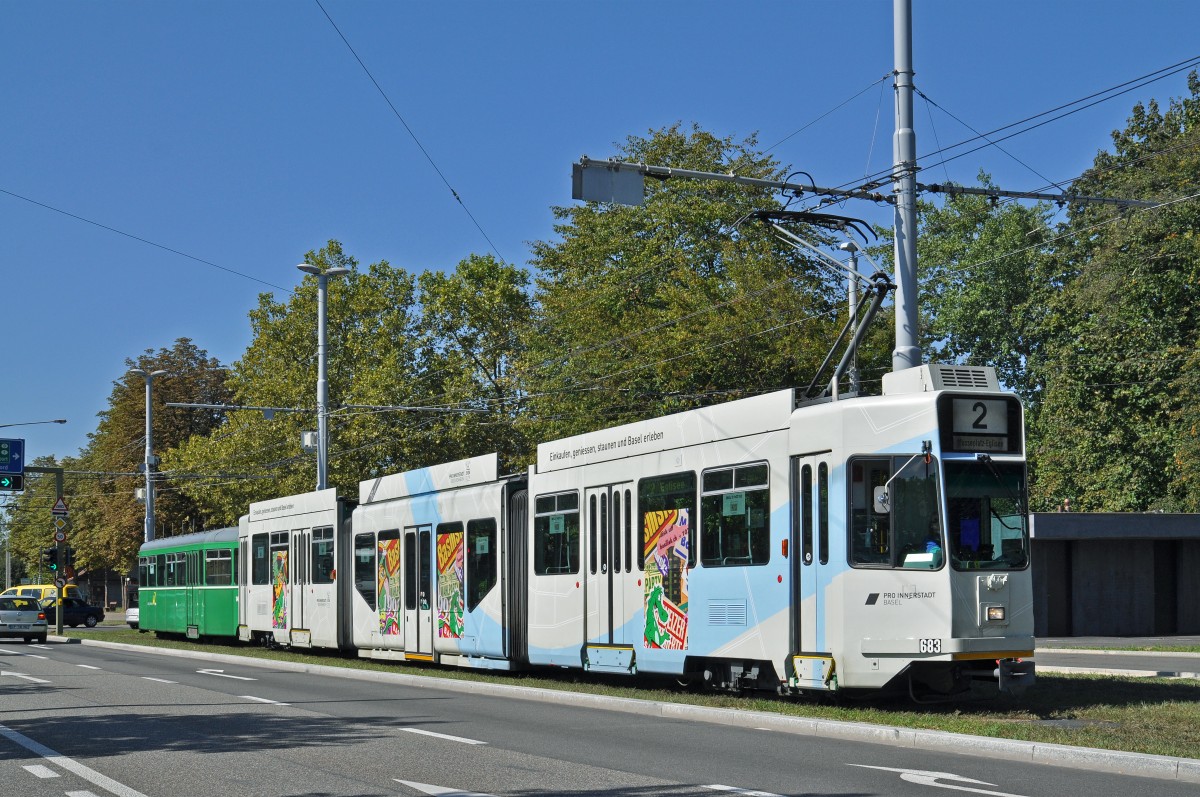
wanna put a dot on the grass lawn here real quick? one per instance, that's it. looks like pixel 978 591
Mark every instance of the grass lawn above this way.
pixel 1143 715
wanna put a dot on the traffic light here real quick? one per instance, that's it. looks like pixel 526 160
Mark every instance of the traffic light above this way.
pixel 12 481
pixel 50 557
pixel 69 556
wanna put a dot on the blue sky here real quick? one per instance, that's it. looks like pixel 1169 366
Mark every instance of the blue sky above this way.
pixel 245 134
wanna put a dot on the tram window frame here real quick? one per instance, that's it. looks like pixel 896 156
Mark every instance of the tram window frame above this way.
pixel 322 558
pixel 280 541
pixel 895 540
pixel 549 546
pixel 365 571
pixel 218 567
pixel 481 566
pixel 683 497
pixel 724 491
pixel 175 571
pixel 260 559
pixel 823 512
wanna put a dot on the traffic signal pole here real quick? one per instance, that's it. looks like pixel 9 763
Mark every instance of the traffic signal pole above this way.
pixel 58 546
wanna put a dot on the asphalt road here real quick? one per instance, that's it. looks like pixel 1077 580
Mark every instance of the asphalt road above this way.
pixel 89 719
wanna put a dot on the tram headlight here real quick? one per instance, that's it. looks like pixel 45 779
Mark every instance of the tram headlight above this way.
pixel 995 614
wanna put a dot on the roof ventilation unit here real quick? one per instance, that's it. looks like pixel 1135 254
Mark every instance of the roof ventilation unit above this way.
pixel 932 376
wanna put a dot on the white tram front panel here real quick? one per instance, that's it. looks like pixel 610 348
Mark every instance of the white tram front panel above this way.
pixel 428 549
pixel 659 545
pixel 289 551
pixel 913 549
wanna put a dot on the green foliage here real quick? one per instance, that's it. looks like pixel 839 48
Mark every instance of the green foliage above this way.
pixel 986 278
pixel 651 310
pixel 1115 429
pixel 430 346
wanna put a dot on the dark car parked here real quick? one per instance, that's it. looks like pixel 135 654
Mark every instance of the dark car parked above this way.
pixel 76 612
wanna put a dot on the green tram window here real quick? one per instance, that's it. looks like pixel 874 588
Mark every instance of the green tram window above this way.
pixel 218 567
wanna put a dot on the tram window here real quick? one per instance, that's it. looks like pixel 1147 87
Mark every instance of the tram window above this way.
pixel 410 571
pixel 176 571
pixel 985 520
pixel 481 560
pixel 218 567
pixel 806 514
pixel 279 557
pixel 734 511
pixel 322 555
pixel 823 512
pixel 364 567
pixel 628 531
pixel 666 509
pixel 616 531
pixel 556 534
pixel 260 558
pixel 906 533
pixel 592 535
pixel 161 562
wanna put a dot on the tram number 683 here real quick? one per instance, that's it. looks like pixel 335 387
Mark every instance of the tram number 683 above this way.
pixel 931 645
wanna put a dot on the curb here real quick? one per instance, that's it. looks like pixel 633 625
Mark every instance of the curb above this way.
pixel 1184 770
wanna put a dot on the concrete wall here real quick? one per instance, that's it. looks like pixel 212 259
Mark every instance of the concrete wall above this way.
pixel 1109 574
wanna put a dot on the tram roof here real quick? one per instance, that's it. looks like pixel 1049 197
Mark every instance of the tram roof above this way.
pixel 196 538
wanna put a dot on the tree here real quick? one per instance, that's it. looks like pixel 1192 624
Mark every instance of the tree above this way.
pixel 110 522
pixel 986 280
pixel 474 325
pixel 1115 429
pixel 656 309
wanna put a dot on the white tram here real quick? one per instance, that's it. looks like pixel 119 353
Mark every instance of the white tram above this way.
pixel 863 543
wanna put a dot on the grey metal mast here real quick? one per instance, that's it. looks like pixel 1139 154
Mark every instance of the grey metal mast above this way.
pixel 907 353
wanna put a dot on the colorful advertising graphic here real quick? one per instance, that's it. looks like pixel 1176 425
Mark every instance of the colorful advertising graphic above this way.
pixel 389 587
pixel 279 581
pixel 666 560
pixel 450 584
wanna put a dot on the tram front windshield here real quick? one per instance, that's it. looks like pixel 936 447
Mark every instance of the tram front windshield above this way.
pixel 985 515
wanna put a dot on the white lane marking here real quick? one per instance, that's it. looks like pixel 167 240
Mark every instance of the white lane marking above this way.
pixel 22 675
pixel 445 736
pixel 158 680
pixel 10 652
pixel 427 788
pixel 87 773
pixel 747 792
pixel 926 778
pixel 87 666
pixel 264 700
pixel 80 794
pixel 41 771
pixel 223 674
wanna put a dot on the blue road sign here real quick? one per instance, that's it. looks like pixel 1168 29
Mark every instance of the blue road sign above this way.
pixel 12 456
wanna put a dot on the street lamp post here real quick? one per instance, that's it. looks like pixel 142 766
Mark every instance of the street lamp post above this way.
pixel 322 363
pixel 32 423
pixel 149 463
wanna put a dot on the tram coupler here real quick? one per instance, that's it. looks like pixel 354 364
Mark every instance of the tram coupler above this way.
pixel 1014 675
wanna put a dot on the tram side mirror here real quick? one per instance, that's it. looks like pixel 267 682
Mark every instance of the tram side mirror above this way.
pixel 882 501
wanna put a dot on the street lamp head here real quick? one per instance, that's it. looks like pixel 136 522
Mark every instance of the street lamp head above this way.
pixel 137 372
pixel 336 271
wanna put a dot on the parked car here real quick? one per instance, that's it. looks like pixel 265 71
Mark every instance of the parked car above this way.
pixel 131 617
pixel 76 612
pixel 22 616
pixel 40 592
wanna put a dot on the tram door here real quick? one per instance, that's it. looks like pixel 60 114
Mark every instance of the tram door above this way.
pixel 193 580
pixel 810 541
pixel 298 578
pixel 418 598
pixel 612 594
